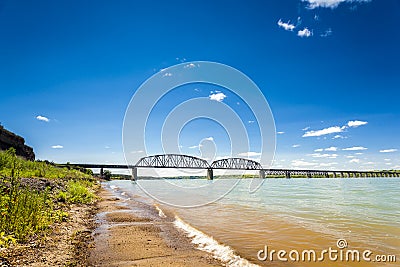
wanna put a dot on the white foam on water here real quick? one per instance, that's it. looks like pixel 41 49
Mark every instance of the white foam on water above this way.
pixel 160 212
pixel 113 187
pixel 206 243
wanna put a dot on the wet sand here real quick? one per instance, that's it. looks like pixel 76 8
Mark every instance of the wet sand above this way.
pixel 131 233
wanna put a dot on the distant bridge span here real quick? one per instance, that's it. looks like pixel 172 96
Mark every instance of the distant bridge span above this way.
pixel 178 161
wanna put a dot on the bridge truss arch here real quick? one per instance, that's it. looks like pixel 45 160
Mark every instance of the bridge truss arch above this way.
pixel 236 163
pixel 172 161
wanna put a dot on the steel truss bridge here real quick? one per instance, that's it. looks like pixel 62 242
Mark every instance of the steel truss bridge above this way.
pixel 178 161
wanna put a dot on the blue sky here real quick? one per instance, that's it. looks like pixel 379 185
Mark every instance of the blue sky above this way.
pixel 328 68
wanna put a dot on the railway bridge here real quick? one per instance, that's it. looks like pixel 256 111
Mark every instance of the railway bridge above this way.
pixel 178 161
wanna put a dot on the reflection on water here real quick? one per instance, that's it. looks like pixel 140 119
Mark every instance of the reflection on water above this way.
pixel 296 214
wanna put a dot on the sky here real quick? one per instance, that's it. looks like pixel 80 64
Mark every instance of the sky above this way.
pixel 329 69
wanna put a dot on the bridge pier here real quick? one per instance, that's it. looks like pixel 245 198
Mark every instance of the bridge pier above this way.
pixel 287 174
pixel 101 173
pixel 134 174
pixel 210 174
pixel 262 174
pixel 309 175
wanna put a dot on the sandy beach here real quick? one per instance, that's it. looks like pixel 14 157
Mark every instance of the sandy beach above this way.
pixel 131 233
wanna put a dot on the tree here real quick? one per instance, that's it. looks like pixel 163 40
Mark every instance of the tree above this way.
pixel 107 175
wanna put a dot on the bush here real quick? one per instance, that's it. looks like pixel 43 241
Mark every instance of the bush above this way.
pixel 77 192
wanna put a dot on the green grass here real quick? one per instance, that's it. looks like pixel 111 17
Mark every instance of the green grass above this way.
pixel 25 212
pixel 76 192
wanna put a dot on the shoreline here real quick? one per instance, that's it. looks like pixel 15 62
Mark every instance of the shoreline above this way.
pixel 135 234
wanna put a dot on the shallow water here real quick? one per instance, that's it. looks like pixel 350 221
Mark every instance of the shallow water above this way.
pixel 290 214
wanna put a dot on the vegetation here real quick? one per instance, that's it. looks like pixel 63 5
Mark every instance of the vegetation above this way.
pixel 25 210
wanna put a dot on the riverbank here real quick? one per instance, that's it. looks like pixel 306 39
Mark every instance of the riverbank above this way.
pixel 132 233
pixel 65 243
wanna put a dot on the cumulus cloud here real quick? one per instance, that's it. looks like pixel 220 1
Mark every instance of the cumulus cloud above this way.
pixel 332 148
pixel 167 74
pixel 280 132
pixel 137 151
pixel 319 150
pixel 355 148
pixel 286 25
pixel 190 66
pixel 327 33
pixel 42 118
pixel 249 154
pixel 57 147
pixel 319 155
pixel 304 33
pixel 329 3
pixel 305 129
pixel 301 163
pixel 217 96
pixel 354 161
pixel 388 150
pixel 338 136
pixel 356 123
pixel 330 130
pixel 191 147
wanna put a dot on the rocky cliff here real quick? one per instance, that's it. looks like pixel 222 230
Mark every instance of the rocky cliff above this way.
pixel 9 139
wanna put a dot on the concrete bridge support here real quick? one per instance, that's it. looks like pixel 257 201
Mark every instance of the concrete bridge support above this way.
pixel 287 174
pixel 134 174
pixel 101 172
pixel 262 174
pixel 210 174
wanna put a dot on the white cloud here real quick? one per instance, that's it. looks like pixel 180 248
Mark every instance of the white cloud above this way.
pixel 249 154
pixel 189 66
pixel 358 153
pixel 296 145
pixel 329 3
pixel 167 74
pixel 350 157
pixel 107 147
pixel 301 163
pixel 137 151
pixel 332 148
pixel 42 118
pixel 286 25
pixel 319 150
pixel 388 163
pixel 319 155
pixel 191 147
pixel 388 150
pixel 330 130
pixel 354 161
pixel 356 123
pixel 338 136
pixel 327 164
pixel 57 147
pixel 304 33
pixel 305 129
pixel 368 163
pixel 209 138
pixel 280 132
pixel 327 33
pixel 355 148
pixel 387 159
pixel 217 97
